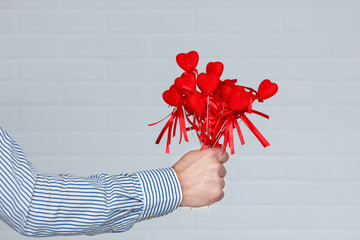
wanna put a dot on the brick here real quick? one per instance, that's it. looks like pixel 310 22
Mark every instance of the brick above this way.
pixel 295 193
pixel 61 118
pixel 321 69
pixel 180 219
pixel 283 45
pixel 285 234
pixel 39 143
pixel 143 70
pixel 194 4
pixel 9 118
pixel 16 93
pixel 156 91
pixel 344 118
pixel 208 234
pixel 3 227
pixel 284 3
pixel 351 234
pixel 105 94
pixel 176 149
pixel 60 21
pixel 61 70
pixel 109 46
pixel 329 168
pixel 275 113
pixel 9 233
pixel 8 70
pixel 135 162
pixel 238 21
pixel 124 4
pixel 344 3
pixel 254 168
pixel 344 93
pixel 70 164
pixel 322 20
pixel 255 70
pixel 150 21
pixel 7 21
pixel 30 46
pixel 345 45
pixel 128 117
pixel 302 93
pixel 105 143
pixel 30 4
pixel 321 217
pixel 343 143
pixel 307 117
pixel 295 143
pixel 239 217
pixel 214 46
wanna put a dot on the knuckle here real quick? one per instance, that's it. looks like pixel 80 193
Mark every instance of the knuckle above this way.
pixel 215 166
pixel 220 195
pixel 224 174
pixel 222 183
pixel 211 153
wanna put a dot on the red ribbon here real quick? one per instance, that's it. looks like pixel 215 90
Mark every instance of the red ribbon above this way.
pixel 223 108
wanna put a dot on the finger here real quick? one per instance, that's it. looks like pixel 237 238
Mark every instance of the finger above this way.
pixel 222 183
pixel 222 171
pixel 222 155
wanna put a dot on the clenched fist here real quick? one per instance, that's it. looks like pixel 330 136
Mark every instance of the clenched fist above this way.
pixel 201 175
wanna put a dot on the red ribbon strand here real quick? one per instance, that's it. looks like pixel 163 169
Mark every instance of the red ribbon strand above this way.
pixel 213 114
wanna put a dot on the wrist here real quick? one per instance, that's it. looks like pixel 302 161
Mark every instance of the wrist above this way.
pixel 161 192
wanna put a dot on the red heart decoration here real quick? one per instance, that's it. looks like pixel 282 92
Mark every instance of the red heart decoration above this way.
pixel 188 61
pixel 172 96
pixel 197 103
pixel 239 99
pixel 207 82
pixel 267 89
pixel 187 79
pixel 215 68
pixel 225 92
pixel 229 82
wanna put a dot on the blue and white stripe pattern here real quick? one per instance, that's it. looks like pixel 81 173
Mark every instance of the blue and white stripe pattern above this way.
pixel 47 205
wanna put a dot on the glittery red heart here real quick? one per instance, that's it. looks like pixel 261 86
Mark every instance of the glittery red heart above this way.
pixel 187 79
pixel 172 96
pixel 215 68
pixel 267 89
pixel 239 99
pixel 207 82
pixel 197 103
pixel 188 61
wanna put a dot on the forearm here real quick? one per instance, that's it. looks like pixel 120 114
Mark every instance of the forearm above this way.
pixel 46 205
pixel 65 204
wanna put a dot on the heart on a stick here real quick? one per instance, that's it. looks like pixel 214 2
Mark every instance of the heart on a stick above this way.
pixel 188 61
pixel 216 68
pixel 267 89
pixel 188 80
pixel 239 99
pixel 197 103
pixel 207 82
pixel 172 96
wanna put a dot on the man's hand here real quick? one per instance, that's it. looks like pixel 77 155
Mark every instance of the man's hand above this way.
pixel 201 175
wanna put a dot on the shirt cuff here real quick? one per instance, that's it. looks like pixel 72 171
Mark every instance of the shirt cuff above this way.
pixel 161 192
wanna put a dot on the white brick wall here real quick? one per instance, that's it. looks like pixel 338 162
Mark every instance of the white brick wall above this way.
pixel 81 79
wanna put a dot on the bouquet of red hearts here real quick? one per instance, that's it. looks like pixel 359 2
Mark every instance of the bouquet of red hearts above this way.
pixel 214 111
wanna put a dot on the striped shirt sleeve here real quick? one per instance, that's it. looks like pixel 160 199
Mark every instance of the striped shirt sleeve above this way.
pixel 41 205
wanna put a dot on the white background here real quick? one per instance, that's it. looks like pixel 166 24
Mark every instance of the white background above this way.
pixel 81 79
